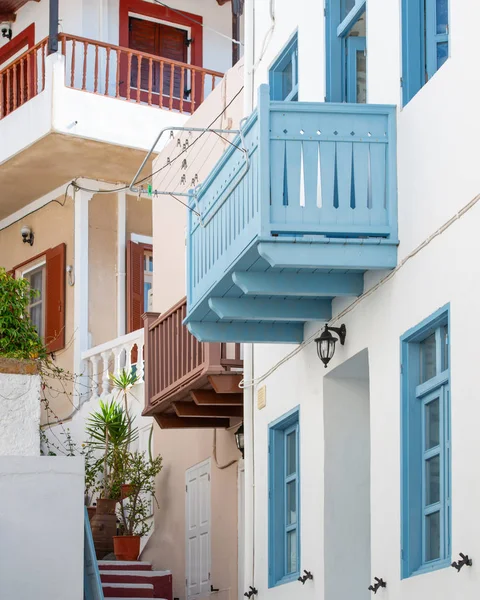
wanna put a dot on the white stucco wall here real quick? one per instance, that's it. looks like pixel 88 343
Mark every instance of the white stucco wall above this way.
pixel 41 524
pixel 438 175
pixel 19 415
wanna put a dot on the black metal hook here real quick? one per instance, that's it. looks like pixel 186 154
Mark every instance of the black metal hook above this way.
pixel 252 592
pixel 465 561
pixel 308 575
pixel 377 585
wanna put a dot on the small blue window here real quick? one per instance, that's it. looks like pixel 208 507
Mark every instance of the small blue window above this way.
pixel 426 505
pixel 284 73
pixel 284 500
pixel 346 51
pixel 425 31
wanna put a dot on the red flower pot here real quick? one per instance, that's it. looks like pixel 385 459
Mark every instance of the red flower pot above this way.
pixel 126 547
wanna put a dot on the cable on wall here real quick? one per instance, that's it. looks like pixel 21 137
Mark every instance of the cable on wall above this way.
pixel 256 381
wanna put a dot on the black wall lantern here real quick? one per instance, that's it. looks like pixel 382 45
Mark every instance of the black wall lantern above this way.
pixel 326 342
pixel 239 438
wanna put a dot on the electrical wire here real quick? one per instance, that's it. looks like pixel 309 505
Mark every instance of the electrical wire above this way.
pixel 186 16
pixel 256 381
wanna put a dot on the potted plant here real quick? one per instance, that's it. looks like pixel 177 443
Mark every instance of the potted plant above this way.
pixel 110 434
pixel 134 512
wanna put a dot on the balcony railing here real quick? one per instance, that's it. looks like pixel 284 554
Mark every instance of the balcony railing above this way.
pixel 135 76
pixel 314 190
pixel 176 364
pixel 23 79
pixel 111 71
pixel 105 360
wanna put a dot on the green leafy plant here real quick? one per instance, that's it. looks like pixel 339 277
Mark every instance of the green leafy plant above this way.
pixel 18 336
pixel 123 383
pixel 110 432
pixel 134 512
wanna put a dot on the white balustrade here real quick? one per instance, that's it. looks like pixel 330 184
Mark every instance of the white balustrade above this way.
pixel 111 358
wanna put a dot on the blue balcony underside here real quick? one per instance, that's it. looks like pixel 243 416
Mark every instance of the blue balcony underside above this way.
pixel 296 224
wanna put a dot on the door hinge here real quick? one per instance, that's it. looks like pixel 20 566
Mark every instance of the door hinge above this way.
pixel 401 369
pixel 186 581
pixel 188 42
pixel 209 477
pixel 186 488
pixel 401 81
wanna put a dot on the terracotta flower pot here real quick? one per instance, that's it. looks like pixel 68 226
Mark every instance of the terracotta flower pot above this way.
pixel 91 512
pixel 104 526
pixel 126 547
pixel 126 490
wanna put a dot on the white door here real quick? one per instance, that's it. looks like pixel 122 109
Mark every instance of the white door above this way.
pixel 197 527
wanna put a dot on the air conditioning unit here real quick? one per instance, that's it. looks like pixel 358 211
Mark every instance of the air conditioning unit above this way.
pixel 150 300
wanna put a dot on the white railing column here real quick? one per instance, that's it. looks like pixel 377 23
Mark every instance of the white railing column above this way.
pixel 140 363
pixel 106 374
pixel 95 379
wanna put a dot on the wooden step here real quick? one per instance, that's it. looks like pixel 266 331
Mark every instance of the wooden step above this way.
pixel 124 565
pixel 161 580
pixel 127 590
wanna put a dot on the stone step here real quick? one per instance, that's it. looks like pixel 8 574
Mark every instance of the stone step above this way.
pixel 127 590
pixel 161 580
pixel 124 565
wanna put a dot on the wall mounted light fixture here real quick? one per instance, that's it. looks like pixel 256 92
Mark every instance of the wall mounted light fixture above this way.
pixel 326 342
pixel 465 561
pixel 27 235
pixel 239 439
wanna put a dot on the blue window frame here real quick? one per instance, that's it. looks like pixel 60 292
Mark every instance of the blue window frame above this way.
pixel 346 51
pixel 426 451
pixel 425 31
pixel 284 500
pixel 284 73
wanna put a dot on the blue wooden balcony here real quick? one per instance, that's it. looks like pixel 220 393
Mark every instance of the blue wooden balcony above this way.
pixel 292 223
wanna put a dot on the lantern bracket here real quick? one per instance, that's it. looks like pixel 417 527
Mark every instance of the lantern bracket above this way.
pixel 340 331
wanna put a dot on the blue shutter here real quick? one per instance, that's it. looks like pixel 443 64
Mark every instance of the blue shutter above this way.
pixel 413 48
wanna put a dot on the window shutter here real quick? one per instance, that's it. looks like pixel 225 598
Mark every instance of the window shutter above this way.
pixel 55 298
pixel 135 271
pixel 413 51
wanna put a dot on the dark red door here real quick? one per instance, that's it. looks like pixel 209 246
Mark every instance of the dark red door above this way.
pixel 160 40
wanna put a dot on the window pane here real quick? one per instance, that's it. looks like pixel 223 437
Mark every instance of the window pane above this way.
pixel 291 502
pixel 146 287
pixel 361 78
pixel 442 16
pixel 347 6
pixel 291 453
pixel 442 53
pixel 292 551
pixel 287 79
pixel 36 318
pixel 150 263
pixel 432 480
pixel 36 284
pixel 432 424
pixel 432 536
pixel 427 359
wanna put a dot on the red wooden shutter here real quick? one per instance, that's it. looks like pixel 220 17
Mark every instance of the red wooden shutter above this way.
pixel 144 36
pixel 135 272
pixel 55 298
pixel 173 45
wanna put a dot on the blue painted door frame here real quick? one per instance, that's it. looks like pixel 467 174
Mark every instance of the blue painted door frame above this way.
pixel 354 46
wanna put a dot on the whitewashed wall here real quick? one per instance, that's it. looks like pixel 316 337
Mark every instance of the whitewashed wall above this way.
pixel 438 175
pixel 19 415
pixel 41 525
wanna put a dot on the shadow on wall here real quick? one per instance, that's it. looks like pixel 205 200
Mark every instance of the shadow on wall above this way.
pixel 347 480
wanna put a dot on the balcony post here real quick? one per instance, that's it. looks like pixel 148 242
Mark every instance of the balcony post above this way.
pixel 148 356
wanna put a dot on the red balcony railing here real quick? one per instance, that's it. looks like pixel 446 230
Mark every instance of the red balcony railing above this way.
pixel 108 70
pixel 135 76
pixel 23 78
pixel 176 362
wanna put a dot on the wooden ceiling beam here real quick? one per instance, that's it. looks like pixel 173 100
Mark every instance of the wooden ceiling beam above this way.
pixel 211 398
pixel 225 384
pixel 172 422
pixel 189 409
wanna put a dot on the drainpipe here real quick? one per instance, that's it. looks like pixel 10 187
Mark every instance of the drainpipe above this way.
pixel 53 28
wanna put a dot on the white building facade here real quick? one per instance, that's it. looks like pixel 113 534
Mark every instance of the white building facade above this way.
pixel 355 473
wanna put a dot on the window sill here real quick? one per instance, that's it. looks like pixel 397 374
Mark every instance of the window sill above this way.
pixel 286 579
pixel 430 567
